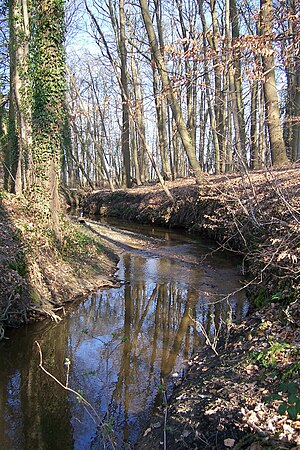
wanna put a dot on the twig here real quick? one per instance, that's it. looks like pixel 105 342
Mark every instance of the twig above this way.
pixel 212 344
pixel 165 419
pixel 84 401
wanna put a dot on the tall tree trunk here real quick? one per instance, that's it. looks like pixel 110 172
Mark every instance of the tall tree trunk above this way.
pixel 255 162
pixel 262 128
pixel 161 101
pixel 278 151
pixel 139 151
pixel 125 97
pixel 219 104
pixel 48 106
pixel 211 110
pixel 161 116
pixel 190 69
pixel 174 104
pixel 19 146
pixel 237 76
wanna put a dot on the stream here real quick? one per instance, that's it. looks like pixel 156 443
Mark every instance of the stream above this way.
pixel 120 348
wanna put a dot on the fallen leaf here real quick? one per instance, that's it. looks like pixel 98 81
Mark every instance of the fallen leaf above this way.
pixel 186 433
pixel 229 443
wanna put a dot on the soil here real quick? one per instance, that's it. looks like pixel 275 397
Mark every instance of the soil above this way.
pixel 220 402
pixel 39 280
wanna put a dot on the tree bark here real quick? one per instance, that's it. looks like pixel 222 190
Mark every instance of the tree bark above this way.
pixel 255 163
pixel 211 110
pixel 125 139
pixel 277 146
pixel 20 142
pixel 48 80
pixel 237 79
pixel 161 102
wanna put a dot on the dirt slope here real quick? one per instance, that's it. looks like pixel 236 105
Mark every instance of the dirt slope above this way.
pixel 37 280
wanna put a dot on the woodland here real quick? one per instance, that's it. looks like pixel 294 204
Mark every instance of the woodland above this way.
pixel 129 93
pixel 182 113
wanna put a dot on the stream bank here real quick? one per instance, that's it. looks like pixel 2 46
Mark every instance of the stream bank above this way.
pixel 220 403
pixel 38 279
pixel 255 214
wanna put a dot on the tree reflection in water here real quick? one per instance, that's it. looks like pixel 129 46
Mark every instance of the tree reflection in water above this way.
pixel 121 343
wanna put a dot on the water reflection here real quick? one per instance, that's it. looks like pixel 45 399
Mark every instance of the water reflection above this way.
pixel 31 405
pixel 121 344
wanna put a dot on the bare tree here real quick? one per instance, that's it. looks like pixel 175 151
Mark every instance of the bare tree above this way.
pixel 277 145
pixel 158 60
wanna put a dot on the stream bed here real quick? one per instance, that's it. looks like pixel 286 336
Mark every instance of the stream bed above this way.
pixel 120 348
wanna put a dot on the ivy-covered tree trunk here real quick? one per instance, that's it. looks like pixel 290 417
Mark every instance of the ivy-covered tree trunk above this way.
pixel 48 77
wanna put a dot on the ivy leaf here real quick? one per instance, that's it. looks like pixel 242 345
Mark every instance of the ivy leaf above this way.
pixel 292 412
pixel 276 397
pixel 291 388
pixel 282 408
pixel 292 398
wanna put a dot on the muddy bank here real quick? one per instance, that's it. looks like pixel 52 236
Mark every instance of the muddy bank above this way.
pixel 38 279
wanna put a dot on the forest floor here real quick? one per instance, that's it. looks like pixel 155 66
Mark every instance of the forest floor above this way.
pixel 220 403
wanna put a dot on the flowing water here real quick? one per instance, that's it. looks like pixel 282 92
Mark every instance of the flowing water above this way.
pixel 117 349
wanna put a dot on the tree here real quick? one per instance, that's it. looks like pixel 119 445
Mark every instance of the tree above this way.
pixel 278 151
pixel 161 101
pixel 125 96
pixel 20 103
pixel 158 59
pixel 49 88
pixel 36 103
